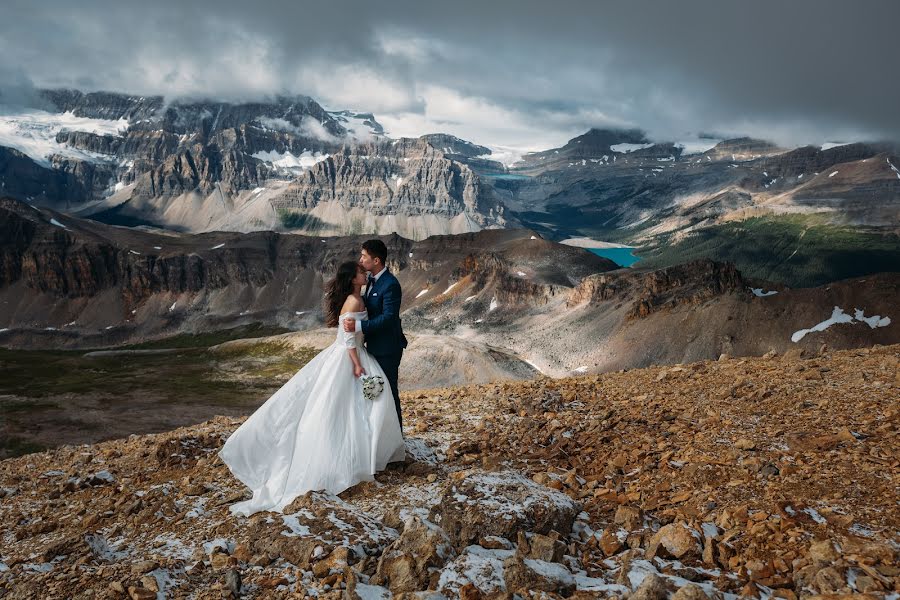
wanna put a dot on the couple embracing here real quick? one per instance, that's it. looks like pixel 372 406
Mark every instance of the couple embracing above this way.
pixel 322 430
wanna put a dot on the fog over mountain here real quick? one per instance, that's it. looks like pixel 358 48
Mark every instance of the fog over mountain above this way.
pixel 527 76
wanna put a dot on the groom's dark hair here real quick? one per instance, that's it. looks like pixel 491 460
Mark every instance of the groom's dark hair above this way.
pixel 376 249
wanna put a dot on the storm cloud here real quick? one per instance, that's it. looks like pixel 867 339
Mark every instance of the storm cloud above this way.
pixel 518 74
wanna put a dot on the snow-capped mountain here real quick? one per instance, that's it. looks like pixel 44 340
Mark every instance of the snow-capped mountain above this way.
pixel 203 165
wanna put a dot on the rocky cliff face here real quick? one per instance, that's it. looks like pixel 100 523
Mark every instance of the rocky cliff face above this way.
pixel 107 281
pixel 687 284
pixel 403 178
pixel 218 157
pixel 104 105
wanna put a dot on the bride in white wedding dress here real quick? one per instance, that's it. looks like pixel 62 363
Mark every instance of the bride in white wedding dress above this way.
pixel 319 432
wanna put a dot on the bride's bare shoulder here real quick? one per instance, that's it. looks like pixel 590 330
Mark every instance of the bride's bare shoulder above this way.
pixel 352 304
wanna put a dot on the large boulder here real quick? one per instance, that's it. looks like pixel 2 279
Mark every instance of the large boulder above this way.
pixel 529 574
pixel 312 529
pixel 501 504
pixel 675 540
pixel 407 565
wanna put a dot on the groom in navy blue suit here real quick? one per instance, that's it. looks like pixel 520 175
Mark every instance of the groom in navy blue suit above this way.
pixel 382 331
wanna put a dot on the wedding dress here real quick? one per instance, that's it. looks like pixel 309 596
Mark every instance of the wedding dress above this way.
pixel 318 432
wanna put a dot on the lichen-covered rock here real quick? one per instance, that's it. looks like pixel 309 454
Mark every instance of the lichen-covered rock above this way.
pixel 674 540
pixel 528 574
pixel 502 504
pixel 408 563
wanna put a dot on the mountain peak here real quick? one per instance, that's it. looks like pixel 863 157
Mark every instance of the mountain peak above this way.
pixel 450 144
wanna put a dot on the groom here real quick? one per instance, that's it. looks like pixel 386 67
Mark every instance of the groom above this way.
pixel 383 334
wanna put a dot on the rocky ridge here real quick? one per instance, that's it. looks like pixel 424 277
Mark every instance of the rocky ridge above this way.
pixel 766 477
pixel 203 165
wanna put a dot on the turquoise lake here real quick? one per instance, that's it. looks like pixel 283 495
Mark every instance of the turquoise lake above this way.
pixel 621 256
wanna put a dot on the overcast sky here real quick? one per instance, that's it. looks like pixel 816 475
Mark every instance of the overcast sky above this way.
pixel 517 73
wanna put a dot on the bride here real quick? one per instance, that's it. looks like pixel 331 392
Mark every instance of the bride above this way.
pixel 319 432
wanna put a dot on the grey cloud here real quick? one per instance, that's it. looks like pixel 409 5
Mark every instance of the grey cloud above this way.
pixel 805 69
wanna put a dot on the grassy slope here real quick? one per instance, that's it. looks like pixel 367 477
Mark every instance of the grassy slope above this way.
pixel 799 251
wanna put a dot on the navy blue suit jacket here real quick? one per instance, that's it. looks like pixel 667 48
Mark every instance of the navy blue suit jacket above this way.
pixel 383 331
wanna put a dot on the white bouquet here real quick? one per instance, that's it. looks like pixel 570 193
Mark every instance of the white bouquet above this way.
pixel 372 386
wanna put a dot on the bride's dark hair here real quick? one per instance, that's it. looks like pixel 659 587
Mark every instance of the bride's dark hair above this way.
pixel 337 289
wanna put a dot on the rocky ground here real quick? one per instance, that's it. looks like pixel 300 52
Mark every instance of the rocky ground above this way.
pixel 764 477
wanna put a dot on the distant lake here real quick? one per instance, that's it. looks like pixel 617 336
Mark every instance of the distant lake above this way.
pixel 621 256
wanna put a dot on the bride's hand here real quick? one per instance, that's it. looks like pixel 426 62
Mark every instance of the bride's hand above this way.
pixel 358 371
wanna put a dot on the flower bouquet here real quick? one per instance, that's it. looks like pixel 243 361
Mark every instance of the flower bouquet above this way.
pixel 372 386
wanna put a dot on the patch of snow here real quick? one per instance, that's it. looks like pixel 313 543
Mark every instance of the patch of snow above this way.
pixel 839 316
pixel 157 247
pixel 419 451
pixel 534 237
pixel 550 570
pixel 893 168
pixel 217 247
pixel 833 173
pixel 299 312
pixel 172 547
pixel 520 274
pixel 198 509
pixel 815 515
pixel 102 548
pixel 830 145
pixel 422 293
pixel 171 308
pixel 57 223
pixel 480 566
pixel 372 592
pixel 710 530
pixel 295 527
pixel 873 322
pixel 494 304
pixel 580 370
pixel 290 162
pixel 134 252
pixel 104 475
pixel 452 285
pixel 33 132
pixel 759 293
pixel 226 545
pixel 860 530
pixel 625 148
pixel 470 298
pixel 164 581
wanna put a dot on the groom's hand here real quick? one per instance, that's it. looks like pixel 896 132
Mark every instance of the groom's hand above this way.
pixel 350 325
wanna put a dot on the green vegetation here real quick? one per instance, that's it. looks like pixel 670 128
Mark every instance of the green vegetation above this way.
pixel 211 338
pixel 797 250
pixel 15 446
pixel 262 361
pixel 291 219
pixel 53 387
